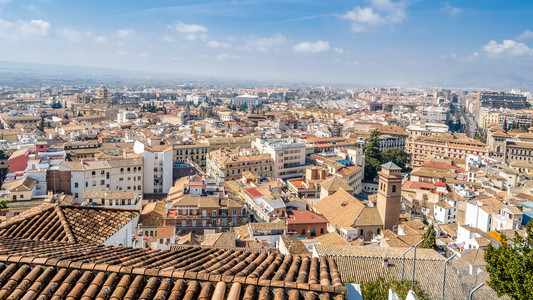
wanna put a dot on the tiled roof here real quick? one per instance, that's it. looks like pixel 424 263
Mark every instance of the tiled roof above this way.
pixel 369 216
pixel 304 217
pixel 22 185
pixel 332 238
pixel 294 245
pixel 65 223
pixel 341 201
pixel 335 183
pixel 63 271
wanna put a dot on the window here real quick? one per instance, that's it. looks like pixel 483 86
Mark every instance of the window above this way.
pixel 303 231
pixel 214 213
pixel 322 230
pixel 394 188
pixel 75 184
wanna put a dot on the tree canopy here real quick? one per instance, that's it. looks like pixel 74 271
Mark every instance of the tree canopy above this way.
pixel 372 156
pixel 511 266
pixel 397 156
pixel 430 241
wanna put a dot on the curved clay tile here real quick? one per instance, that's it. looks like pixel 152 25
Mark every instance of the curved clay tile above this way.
pixel 265 293
pixel 163 290
pixel 249 293
pixel 235 291
pixel 178 291
pixel 220 291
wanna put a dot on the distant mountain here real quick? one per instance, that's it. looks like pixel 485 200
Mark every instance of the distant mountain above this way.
pixel 488 80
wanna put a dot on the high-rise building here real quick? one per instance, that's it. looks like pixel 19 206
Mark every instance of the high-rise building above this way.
pixel 389 195
pixel 503 100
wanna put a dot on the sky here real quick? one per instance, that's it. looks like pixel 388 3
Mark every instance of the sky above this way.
pixel 385 42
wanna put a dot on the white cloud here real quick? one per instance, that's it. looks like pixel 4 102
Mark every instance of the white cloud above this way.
pixel 507 48
pixel 69 34
pixel 5 1
pixel 99 39
pixel 452 11
pixel 380 12
pixel 188 28
pixel 313 47
pixel 126 34
pixel 194 37
pixel 526 35
pixel 265 43
pixel 125 53
pixel 167 38
pixel 215 44
pixel 339 50
pixel 24 29
pixel 226 56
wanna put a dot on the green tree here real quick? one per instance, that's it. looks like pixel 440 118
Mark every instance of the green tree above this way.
pixel 511 266
pixel 397 156
pixel 429 239
pixel 378 289
pixel 372 156
pixel 40 126
pixel 479 137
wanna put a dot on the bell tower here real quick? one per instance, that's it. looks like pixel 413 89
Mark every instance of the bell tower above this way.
pixel 389 195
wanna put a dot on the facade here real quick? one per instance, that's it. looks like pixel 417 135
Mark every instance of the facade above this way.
pixel 191 152
pixel 228 165
pixel 503 100
pixel 303 223
pixel 435 114
pixel 248 100
pixel 444 213
pixel 111 175
pixel 447 145
pixel 288 155
pixel 196 214
pixel 117 199
pixel 389 195
pixel 158 170
pixel 424 128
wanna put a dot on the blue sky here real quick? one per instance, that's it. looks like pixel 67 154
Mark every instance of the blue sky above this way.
pixel 385 42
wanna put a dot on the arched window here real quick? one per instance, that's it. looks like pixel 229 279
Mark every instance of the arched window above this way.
pixel 394 188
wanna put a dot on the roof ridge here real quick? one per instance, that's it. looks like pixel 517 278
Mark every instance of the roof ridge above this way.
pixel 25 215
pixel 66 225
pixel 100 207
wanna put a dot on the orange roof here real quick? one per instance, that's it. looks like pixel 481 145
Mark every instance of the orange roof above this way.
pixel 304 217
pixel 418 185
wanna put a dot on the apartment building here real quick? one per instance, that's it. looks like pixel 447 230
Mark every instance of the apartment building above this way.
pixel 229 165
pixel 288 155
pixel 195 152
pixel 449 145
pixel 110 175
pixel 8 121
pixel 242 142
pixel 158 171
pixel 510 147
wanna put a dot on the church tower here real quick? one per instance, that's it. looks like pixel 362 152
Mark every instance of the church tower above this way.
pixel 389 195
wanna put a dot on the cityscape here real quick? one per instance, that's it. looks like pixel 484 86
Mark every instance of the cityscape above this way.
pixel 266 150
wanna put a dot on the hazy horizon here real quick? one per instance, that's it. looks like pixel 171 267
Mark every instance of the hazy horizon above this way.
pixel 378 42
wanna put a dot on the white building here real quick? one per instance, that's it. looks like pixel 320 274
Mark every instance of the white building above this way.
pixel 288 155
pixel 110 175
pixel 444 212
pixel 424 129
pixel 435 114
pixel 479 212
pixel 249 100
pixel 158 167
